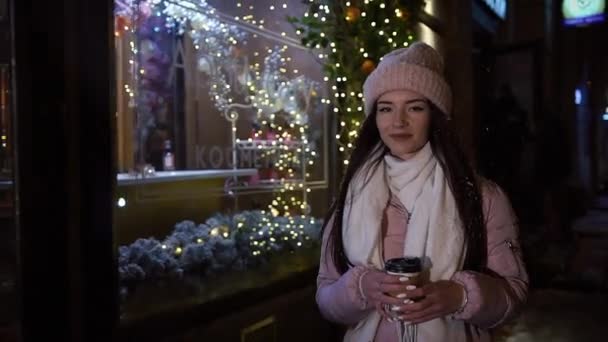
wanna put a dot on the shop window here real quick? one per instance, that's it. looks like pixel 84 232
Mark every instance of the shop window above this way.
pixel 221 150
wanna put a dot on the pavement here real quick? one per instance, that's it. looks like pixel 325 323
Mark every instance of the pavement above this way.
pixel 559 316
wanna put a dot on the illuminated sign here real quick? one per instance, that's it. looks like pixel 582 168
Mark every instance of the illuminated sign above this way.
pixel 498 6
pixel 578 96
pixel 583 12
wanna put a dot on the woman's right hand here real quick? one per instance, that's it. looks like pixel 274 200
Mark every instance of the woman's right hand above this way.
pixel 377 286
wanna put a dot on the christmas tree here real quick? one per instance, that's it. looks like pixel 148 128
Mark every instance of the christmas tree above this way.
pixel 350 38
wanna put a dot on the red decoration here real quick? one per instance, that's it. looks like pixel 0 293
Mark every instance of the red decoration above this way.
pixel 368 66
pixel 121 24
pixel 353 13
pixel 405 14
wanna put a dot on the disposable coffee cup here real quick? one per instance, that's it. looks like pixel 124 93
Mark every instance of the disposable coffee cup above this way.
pixel 405 267
pixel 409 267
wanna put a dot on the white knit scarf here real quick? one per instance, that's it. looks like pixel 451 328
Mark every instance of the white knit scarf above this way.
pixel 434 231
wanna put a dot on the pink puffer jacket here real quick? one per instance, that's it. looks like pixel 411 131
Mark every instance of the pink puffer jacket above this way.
pixel 492 299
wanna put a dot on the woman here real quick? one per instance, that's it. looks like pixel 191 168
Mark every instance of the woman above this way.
pixel 409 191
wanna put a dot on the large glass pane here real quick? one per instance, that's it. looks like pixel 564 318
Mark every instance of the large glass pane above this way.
pixel 8 247
pixel 222 144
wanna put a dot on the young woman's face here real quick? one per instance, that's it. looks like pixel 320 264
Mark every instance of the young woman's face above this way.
pixel 403 118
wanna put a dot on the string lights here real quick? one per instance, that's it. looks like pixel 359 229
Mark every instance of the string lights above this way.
pixel 222 243
pixel 352 36
pixel 284 101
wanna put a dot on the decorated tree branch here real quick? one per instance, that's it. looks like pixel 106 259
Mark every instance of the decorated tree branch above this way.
pixel 349 37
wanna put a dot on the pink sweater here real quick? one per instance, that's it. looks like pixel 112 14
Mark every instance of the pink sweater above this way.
pixel 492 299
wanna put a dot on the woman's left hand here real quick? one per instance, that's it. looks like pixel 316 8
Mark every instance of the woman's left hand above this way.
pixel 433 300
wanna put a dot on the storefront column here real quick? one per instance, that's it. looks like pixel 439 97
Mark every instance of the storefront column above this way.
pixel 452 37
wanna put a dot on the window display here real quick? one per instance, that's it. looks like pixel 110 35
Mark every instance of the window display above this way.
pixel 222 149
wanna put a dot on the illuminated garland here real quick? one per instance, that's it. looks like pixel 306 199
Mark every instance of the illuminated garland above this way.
pixel 350 37
pixel 209 34
pixel 221 244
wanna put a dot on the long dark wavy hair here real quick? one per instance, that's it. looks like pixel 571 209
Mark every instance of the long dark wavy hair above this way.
pixel 462 179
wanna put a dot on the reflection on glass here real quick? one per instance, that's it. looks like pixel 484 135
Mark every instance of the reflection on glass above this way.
pixel 221 146
pixel 8 247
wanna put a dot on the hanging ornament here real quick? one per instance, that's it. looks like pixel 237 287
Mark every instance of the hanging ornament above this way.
pixel 368 66
pixel 404 14
pixel 352 14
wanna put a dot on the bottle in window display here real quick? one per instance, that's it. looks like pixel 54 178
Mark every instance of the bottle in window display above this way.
pixel 168 157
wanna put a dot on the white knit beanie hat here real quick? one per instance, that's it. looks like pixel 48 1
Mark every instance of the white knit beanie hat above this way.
pixel 418 68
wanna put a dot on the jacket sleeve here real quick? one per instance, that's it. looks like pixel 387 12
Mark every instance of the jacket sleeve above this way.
pixel 495 298
pixel 338 296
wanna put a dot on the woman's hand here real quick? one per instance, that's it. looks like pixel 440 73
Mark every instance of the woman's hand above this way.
pixel 432 301
pixel 377 286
